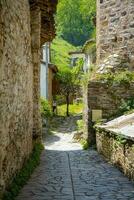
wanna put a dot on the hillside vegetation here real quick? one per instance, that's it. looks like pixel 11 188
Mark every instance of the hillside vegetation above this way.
pixel 59 52
pixel 75 20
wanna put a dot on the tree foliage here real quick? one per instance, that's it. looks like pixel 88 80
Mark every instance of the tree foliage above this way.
pixel 69 79
pixel 74 20
pixel 88 9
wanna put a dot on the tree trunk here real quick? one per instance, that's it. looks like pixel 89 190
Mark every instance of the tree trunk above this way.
pixel 67 102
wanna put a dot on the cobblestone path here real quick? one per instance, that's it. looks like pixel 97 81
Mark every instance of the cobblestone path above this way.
pixel 66 172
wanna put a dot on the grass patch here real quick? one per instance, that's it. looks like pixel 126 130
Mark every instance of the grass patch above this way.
pixel 74 109
pixel 23 176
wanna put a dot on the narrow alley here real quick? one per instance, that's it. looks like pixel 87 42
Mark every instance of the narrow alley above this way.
pixel 63 58
pixel 66 172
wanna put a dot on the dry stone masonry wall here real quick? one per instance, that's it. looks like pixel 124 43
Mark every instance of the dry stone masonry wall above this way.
pixel 118 150
pixel 101 96
pixel 115 52
pixel 16 88
pixel 107 98
pixel 24 26
pixel 115 33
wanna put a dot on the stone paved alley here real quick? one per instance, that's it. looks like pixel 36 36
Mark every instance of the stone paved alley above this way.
pixel 67 172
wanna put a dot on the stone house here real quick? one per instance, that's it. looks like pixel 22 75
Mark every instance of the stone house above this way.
pixel 89 50
pixel 75 55
pixel 115 52
pixel 115 34
pixel 25 25
pixel 47 74
pixel 87 53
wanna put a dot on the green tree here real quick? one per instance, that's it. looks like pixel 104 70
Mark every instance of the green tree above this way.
pixel 88 9
pixel 74 20
pixel 69 80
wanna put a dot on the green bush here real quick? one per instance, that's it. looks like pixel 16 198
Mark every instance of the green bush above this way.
pixel 126 106
pixel 46 110
pixel 22 177
pixel 122 77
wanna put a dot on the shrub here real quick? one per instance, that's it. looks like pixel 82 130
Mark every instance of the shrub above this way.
pixel 122 77
pixel 22 177
pixel 127 105
pixel 46 110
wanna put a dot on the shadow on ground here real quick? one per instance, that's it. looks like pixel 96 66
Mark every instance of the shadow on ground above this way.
pixel 79 175
pixel 60 124
pixel 66 172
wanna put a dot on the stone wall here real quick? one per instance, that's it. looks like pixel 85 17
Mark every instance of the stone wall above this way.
pixel 42 31
pixel 115 52
pixel 16 88
pixel 100 96
pixel 119 152
pixel 115 32
pixel 21 36
pixel 85 110
pixel 35 44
